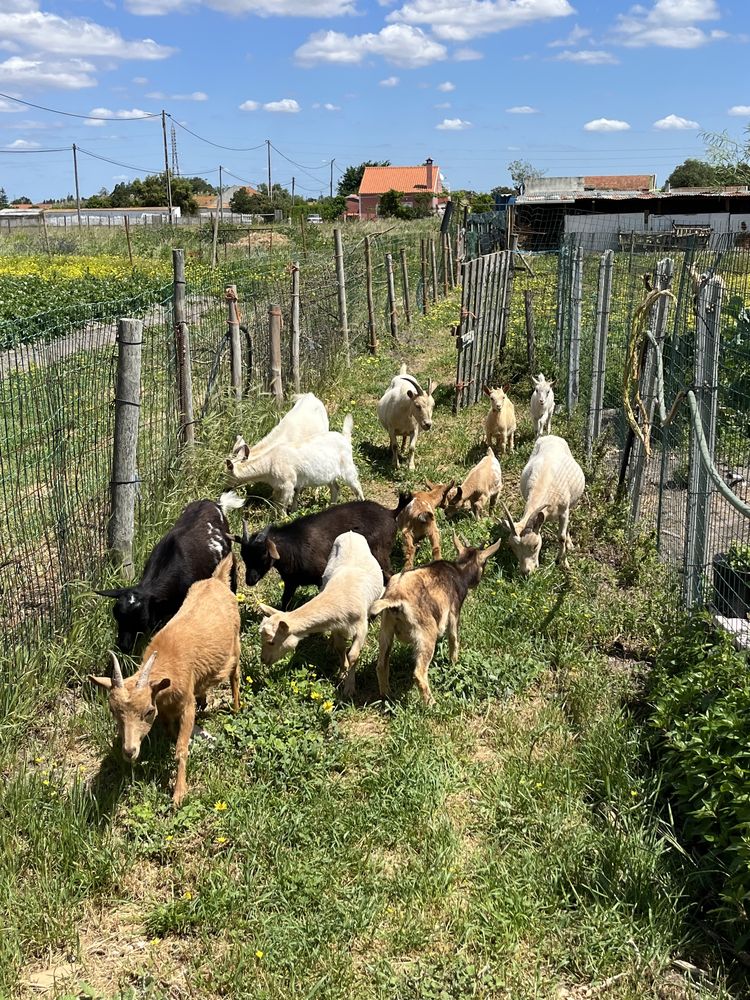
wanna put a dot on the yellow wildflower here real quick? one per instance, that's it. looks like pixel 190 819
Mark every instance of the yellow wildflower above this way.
pixel 241 598
pixel 220 806
pixel 169 838
pixel 316 695
pixel 45 782
pixel 248 678
pixel 221 840
pixel 155 940
pixel 633 792
pixel 328 706
pixel 187 895
pixel 259 953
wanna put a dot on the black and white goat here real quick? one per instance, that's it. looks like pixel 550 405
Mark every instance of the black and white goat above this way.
pixel 190 551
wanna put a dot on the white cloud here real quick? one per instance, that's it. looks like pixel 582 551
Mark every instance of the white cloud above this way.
pixel 22 144
pixel 262 8
pixel 459 21
pixel 390 81
pixel 43 32
pixel 444 104
pixel 453 125
pixel 739 110
pixel 675 122
pixel 99 114
pixel 589 57
pixel 8 107
pixel 606 125
pixel 249 106
pixel 446 87
pixel 331 107
pixel 71 74
pixel 286 105
pixel 158 95
pixel 669 23
pixel 140 80
pixel 466 54
pixel 574 36
pixel 399 44
pixel 522 109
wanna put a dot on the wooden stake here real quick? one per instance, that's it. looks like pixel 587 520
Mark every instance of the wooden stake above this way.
pixel 405 286
pixel 274 338
pixel 235 349
pixel 373 338
pixel 391 296
pixel 295 325
pixel 127 237
pixel 341 285
pixel 425 291
pixel 121 525
pixel 182 351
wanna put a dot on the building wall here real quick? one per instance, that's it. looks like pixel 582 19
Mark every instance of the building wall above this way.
pixel 599 232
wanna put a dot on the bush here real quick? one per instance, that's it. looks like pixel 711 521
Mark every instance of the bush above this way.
pixel 700 716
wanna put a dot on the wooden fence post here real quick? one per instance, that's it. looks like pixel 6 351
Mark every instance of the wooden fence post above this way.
pixel 127 237
pixel 295 325
pixel 124 481
pixel 423 262
pixel 433 268
pixel 528 303
pixel 341 284
pixel 274 339
pixel 405 286
pixel 372 333
pixel 574 356
pixel 599 350
pixel 215 235
pixel 235 348
pixel 705 377
pixel 393 318
pixel 183 362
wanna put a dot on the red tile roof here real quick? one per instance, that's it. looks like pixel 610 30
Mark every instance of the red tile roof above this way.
pixel 620 182
pixel 407 180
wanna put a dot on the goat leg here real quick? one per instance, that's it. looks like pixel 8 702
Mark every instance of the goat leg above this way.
pixel 234 677
pixel 434 534
pixel 387 630
pixel 187 721
pixel 425 652
pixel 409 549
pixel 453 637
pixel 290 589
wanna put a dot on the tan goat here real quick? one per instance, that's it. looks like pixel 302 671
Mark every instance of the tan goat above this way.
pixel 484 482
pixel 417 520
pixel 500 422
pixel 421 604
pixel 195 651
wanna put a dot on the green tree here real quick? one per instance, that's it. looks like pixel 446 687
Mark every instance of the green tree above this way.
pixel 23 200
pixel 3 198
pixel 352 176
pixel 522 171
pixel 730 157
pixel 693 173
pixel 241 202
pixel 331 208
pixel 391 205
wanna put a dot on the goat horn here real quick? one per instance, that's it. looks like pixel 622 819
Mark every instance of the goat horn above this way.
pixel 117 681
pixel 509 517
pixel 245 531
pixel 145 672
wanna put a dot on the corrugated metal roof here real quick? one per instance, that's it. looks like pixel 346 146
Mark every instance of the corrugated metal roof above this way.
pixel 407 180
pixel 555 197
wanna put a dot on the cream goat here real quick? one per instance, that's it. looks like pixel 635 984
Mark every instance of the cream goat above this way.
pixel 287 468
pixel 196 650
pixel 352 582
pixel 404 409
pixel 306 419
pixel 500 422
pixel 483 483
pixel 552 482
pixel 542 404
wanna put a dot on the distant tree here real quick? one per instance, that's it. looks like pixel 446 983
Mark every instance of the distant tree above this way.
pixel 422 206
pixel 331 208
pixel 352 176
pixel 199 185
pixel 23 200
pixel 3 198
pixel 98 201
pixel 730 157
pixel 693 173
pixel 522 171
pixel 391 205
pixel 241 202
pixel 501 189
pixel 482 202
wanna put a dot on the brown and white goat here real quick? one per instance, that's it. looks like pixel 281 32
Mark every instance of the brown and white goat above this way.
pixel 500 422
pixel 195 651
pixel 417 520
pixel 419 605
pixel 483 483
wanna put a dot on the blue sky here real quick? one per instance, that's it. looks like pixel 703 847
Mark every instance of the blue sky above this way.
pixel 574 86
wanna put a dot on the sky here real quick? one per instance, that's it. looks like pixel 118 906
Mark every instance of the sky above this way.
pixel 573 86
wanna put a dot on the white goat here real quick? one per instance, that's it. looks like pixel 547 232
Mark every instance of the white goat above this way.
pixel 483 483
pixel 306 419
pixel 404 409
pixel 500 422
pixel 288 468
pixel 352 582
pixel 542 404
pixel 552 482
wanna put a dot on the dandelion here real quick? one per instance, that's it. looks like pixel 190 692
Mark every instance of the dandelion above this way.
pixel 45 782
pixel 248 678
pixel 538 784
pixel 187 895
pixel 633 792
pixel 220 806
pixel 259 953
pixel 39 760
pixel 154 941
pixel 241 599
pixel 169 839
pixel 316 695
pixel 328 706
pixel 221 840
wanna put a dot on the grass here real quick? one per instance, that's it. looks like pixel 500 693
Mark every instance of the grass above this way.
pixel 507 843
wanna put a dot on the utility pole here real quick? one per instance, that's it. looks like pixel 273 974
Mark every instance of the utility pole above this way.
pixel 78 190
pixel 270 188
pixel 292 194
pixel 166 164
pixel 221 197
pixel 331 184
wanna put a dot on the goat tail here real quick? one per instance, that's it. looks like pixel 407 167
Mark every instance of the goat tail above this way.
pixel 230 501
pixel 223 571
pixel 404 499
pixel 348 427
pixel 402 369
pixel 385 604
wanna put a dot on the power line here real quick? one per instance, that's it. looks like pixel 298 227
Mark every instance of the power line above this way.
pixel 71 114
pixel 117 163
pixel 218 145
pixel 52 149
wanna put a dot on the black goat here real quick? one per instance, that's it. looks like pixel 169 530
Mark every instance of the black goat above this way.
pixel 300 549
pixel 190 551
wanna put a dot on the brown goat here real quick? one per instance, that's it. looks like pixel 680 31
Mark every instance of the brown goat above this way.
pixel 196 650
pixel 420 605
pixel 417 520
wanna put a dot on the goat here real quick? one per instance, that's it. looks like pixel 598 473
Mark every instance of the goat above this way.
pixel 421 604
pixel 300 549
pixel 417 519
pixel 306 419
pixel 483 483
pixel 404 409
pixel 195 651
pixel 542 404
pixel 287 468
pixel 552 482
pixel 190 551
pixel 352 581
pixel 500 422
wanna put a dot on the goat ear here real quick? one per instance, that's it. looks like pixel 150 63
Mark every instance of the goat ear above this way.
pixel 552 381
pixel 536 520
pixel 244 452
pixel 411 394
pixel 271 549
pixel 161 685
pixel 102 682
pixel 459 545
pixel 267 609
pixel 486 390
pixel 431 386
pixel 429 485
pixel 425 516
pixel 229 465
pixel 506 387
pixel 114 592
pixel 283 628
pixel 446 491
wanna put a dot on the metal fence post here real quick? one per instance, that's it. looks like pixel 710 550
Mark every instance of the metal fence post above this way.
pixel 274 339
pixel 235 349
pixel 392 316
pixel 599 351
pixel 562 301
pixel 183 363
pixel 295 325
pixel 341 285
pixel 574 355
pixel 528 304
pixel 405 286
pixel 371 330
pixel 121 526
pixel 705 374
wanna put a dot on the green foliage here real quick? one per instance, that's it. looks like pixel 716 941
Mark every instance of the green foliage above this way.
pixel 331 208
pixel 23 200
pixel 738 557
pixel 693 173
pixel 3 198
pixel 152 191
pixel 522 171
pixel 241 202
pixel 391 205
pixel 352 176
